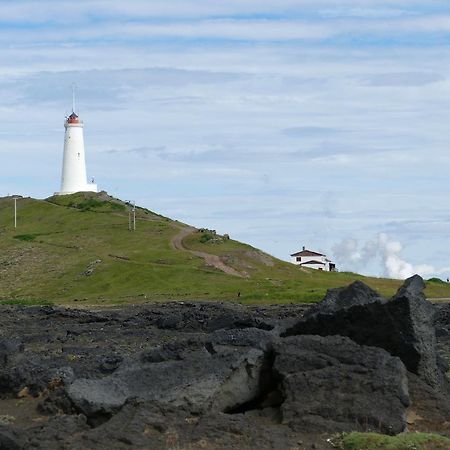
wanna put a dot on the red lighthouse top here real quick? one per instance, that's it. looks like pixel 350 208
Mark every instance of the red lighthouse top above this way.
pixel 73 118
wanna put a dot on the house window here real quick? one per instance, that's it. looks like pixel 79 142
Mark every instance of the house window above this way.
pixel 299 258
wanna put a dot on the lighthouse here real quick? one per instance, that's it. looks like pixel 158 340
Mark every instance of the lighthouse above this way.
pixel 73 177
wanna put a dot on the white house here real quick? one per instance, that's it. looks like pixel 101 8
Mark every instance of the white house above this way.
pixel 312 260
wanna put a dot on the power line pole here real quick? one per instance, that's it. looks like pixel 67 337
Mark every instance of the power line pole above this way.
pixel 132 215
pixel 15 212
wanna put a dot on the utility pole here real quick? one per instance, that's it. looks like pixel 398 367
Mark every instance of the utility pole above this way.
pixel 132 215
pixel 15 212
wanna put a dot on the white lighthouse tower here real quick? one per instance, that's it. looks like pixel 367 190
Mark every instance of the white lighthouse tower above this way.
pixel 73 177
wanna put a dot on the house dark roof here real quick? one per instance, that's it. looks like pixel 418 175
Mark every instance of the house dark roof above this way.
pixel 315 263
pixel 307 253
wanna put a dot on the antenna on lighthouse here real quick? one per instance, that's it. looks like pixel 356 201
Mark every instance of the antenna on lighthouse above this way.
pixel 73 96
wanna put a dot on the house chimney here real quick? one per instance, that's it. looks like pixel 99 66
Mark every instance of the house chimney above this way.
pixel 304 248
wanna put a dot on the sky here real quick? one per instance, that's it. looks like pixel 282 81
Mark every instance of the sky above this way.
pixel 284 123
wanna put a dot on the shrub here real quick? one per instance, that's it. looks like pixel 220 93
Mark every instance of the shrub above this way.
pixel 26 237
pixel 206 237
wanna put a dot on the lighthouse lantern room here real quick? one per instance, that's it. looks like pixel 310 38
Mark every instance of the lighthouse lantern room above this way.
pixel 73 177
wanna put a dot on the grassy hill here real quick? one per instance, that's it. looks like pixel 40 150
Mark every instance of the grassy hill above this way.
pixel 78 248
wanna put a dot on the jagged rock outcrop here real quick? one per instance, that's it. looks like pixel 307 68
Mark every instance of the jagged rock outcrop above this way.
pixel 330 383
pixel 402 325
pixel 205 374
pixel 336 300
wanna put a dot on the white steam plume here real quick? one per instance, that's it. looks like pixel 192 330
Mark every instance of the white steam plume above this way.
pixel 351 252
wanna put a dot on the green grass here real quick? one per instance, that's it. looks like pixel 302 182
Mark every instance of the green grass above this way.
pixel 26 237
pixel 98 205
pixel 57 240
pixel 25 302
pixel 89 202
pixel 375 441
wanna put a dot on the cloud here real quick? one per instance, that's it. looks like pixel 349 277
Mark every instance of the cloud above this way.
pixel 368 13
pixel 314 132
pixel 122 85
pixel 143 152
pixel 406 79
pixel 135 21
pixel 65 11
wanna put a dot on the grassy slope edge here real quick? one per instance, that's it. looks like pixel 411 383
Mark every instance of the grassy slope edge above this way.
pixel 404 441
pixel 78 248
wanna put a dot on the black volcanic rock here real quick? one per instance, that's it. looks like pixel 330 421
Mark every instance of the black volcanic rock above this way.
pixel 403 325
pixel 214 374
pixel 443 321
pixel 332 384
pixel 9 348
pixel 356 294
pixel 10 439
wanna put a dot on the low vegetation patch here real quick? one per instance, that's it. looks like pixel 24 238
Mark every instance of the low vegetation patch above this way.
pixel 30 237
pixel 26 302
pixel 211 237
pixel 26 237
pixel 86 201
pixel 436 281
pixel 206 237
pixel 375 441
pixel 92 204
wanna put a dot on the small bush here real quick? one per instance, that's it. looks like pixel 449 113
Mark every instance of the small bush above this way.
pixel 206 237
pixel 26 237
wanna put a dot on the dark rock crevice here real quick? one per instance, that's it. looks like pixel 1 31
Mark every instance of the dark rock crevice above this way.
pixel 269 398
pixel 99 418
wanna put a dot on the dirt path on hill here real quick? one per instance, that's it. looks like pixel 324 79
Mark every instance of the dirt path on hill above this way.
pixel 211 260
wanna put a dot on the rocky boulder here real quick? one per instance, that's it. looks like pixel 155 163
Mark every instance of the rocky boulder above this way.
pixel 403 325
pixel 10 439
pixel 356 294
pixel 443 321
pixel 333 384
pixel 217 373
